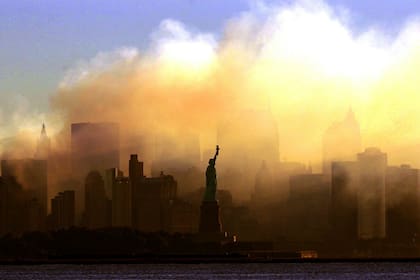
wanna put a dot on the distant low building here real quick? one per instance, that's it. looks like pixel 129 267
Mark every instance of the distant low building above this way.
pixel 121 202
pixel 31 174
pixel 308 208
pixel 63 210
pixel 183 217
pixel 97 205
pixel 19 210
pixel 402 204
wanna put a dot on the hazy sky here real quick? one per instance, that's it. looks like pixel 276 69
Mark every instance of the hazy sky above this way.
pixel 41 39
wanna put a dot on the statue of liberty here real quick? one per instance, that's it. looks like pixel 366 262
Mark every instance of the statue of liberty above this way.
pixel 211 179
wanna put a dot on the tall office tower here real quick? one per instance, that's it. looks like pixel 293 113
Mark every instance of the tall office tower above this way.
pixel 135 173
pixel 34 219
pixel 246 140
pixel 371 195
pixel 31 174
pixel 153 203
pixel 402 204
pixel 96 202
pixel 121 202
pixel 344 189
pixel 63 210
pixel 94 146
pixel 342 142
pixel 151 198
pixel 43 145
pixel 308 208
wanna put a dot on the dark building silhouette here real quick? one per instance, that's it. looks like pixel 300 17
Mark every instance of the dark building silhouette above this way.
pixel 308 208
pixel 154 200
pixel 97 205
pixel 136 175
pixel 371 195
pixel 94 146
pixel 271 209
pixel 11 216
pixel 63 210
pixel 344 203
pixel 121 201
pixel 402 204
pixel 240 222
pixel 151 198
pixel 183 217
pixel 342 141
pixel 31 174
pixel 34 217
pixel 19 210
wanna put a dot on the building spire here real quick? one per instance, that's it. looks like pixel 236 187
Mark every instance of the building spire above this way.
pixel 43 147
pixel 43 130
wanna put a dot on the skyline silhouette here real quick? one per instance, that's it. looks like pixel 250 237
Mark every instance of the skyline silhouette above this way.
pixel 359 204
pixel 316 121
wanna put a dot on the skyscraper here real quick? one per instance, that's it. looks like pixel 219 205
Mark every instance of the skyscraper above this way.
pixel 96 202
pixel 43 145
pixel 371 194
pixel 63 210
pixel 121 202
pixel 344 189
pixel 151 198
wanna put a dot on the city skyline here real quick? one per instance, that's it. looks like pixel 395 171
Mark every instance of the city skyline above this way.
pixel 251 130
pixel 365 207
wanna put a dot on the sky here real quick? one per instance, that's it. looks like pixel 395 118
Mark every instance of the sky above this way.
pixel 41 39
pixel 310 59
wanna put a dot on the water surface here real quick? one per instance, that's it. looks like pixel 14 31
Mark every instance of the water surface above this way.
pixel 215 271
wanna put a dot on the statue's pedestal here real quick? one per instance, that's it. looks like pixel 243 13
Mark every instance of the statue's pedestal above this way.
pixel 210 218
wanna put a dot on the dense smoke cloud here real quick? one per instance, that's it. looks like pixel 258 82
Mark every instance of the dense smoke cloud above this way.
pixel 302 62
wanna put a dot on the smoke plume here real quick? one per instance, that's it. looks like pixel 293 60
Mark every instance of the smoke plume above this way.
pixel 302 63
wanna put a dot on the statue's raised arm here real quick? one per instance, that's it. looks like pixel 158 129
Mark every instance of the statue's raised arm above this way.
pixel 216 154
